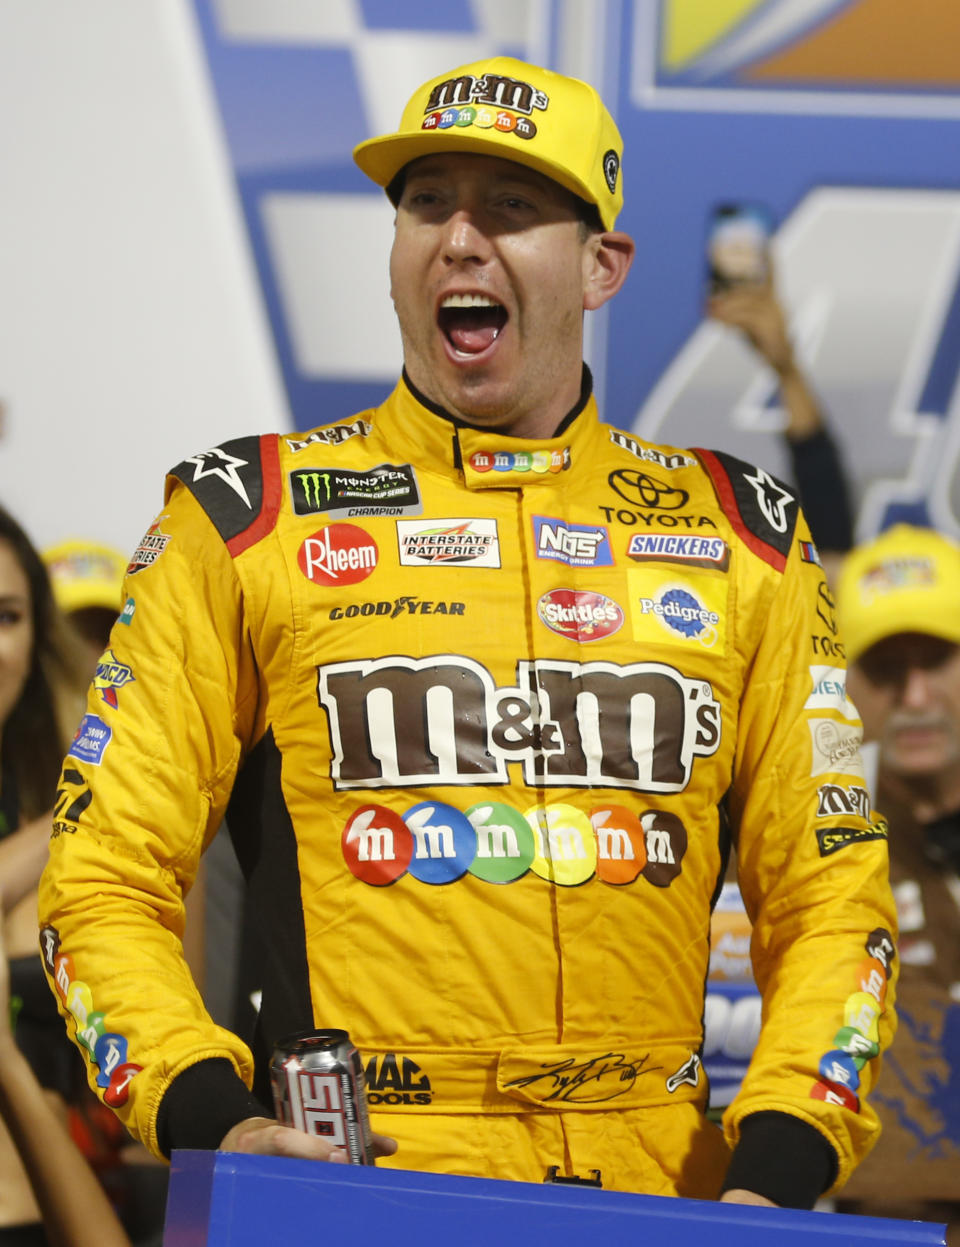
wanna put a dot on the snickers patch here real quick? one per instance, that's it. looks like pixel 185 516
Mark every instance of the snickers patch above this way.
pixel 677 548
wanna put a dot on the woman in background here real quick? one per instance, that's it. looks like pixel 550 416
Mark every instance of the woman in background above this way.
pixel 43 676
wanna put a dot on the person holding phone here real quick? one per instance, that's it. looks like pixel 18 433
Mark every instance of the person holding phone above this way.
pixel 742 294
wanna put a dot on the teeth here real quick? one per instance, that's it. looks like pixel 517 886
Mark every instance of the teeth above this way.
pixel 469 300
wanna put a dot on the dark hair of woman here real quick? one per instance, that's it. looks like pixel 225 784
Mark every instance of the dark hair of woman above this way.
pixel 39 728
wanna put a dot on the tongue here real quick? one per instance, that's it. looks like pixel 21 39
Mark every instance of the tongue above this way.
pixel 472 330
pixel 473 340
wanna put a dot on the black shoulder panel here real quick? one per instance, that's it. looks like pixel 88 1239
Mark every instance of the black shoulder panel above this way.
pixel 761 508
pixel 227 481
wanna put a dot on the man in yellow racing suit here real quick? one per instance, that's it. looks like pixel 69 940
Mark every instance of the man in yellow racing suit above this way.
pixel 485 710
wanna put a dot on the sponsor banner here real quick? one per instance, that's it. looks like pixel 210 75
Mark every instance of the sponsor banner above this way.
pixel 645 490
pixel 827 608
pixel 830 691
pixel 438 844
pixel 106 1048
pixel 387 489
pixel 832 839
pixel 456 542
pixel 656 519
pixel 72 798
pixel 835 799
pixel 577 545
pixel 651 454
pixel 91 740
pixel 340 554
pixel 152 545
pixel 524 462
pixel 580 615
pixel 110 675
pixel 333 435
pixel 678 548
pixel 396 1079
pixel 678 612
pixel 836 747
pixel 390 609
pixel 645 726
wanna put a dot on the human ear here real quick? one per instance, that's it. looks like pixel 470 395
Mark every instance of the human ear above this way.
pixel 607 260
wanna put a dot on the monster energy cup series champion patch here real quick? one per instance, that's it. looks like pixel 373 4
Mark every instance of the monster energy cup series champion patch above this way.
pixel 387 489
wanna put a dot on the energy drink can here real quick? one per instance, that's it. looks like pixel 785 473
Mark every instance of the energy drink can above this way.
pixel 319 1087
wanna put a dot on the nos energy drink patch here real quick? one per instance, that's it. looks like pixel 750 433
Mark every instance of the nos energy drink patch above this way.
pixel 678 610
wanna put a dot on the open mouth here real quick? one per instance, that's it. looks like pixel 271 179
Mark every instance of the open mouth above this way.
pixel 471 322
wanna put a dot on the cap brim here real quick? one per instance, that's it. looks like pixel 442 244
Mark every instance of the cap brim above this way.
pixel 381 159
pixel 906 621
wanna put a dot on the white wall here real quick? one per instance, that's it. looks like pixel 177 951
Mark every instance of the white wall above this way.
pixel 131 328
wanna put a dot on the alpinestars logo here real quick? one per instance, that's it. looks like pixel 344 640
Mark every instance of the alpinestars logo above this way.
pixel 771 499
pixel 688 1073
pixel 217 462
pixel 396 1080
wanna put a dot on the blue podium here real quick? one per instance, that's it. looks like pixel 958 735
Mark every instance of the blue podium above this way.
pixel 225 1199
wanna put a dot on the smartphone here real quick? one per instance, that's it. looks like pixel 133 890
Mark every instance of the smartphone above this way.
pixel 738 246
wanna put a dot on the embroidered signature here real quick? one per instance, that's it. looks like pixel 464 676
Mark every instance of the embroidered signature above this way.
pixel 591 1081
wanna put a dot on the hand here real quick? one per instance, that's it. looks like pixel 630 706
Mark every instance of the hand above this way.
pixel 23 856
pixel 754 310
pixel 266 1137
pixel 739 1196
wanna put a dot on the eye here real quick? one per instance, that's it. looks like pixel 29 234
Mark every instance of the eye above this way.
pixel 10 616
pixel 423 199
pixel 517 203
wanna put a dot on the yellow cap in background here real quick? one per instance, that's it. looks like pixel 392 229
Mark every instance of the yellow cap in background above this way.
pixel 905 580
pixel 85 574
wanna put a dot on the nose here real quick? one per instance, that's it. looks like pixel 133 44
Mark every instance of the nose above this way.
pixel 918 689
pixel 464 239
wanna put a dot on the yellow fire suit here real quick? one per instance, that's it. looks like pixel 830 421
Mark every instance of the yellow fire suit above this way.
pixel 490 713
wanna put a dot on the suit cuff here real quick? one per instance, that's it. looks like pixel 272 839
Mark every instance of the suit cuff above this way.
pixel 782 1158
pixel 202 1104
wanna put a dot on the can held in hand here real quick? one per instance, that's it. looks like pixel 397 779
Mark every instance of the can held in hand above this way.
pixel 319 1087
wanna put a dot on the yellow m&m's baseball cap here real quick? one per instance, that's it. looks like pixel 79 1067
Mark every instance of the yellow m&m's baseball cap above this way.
pixel 905 580
pixel 517 111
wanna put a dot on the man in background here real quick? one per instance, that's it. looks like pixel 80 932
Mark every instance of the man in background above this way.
pixel 899 608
